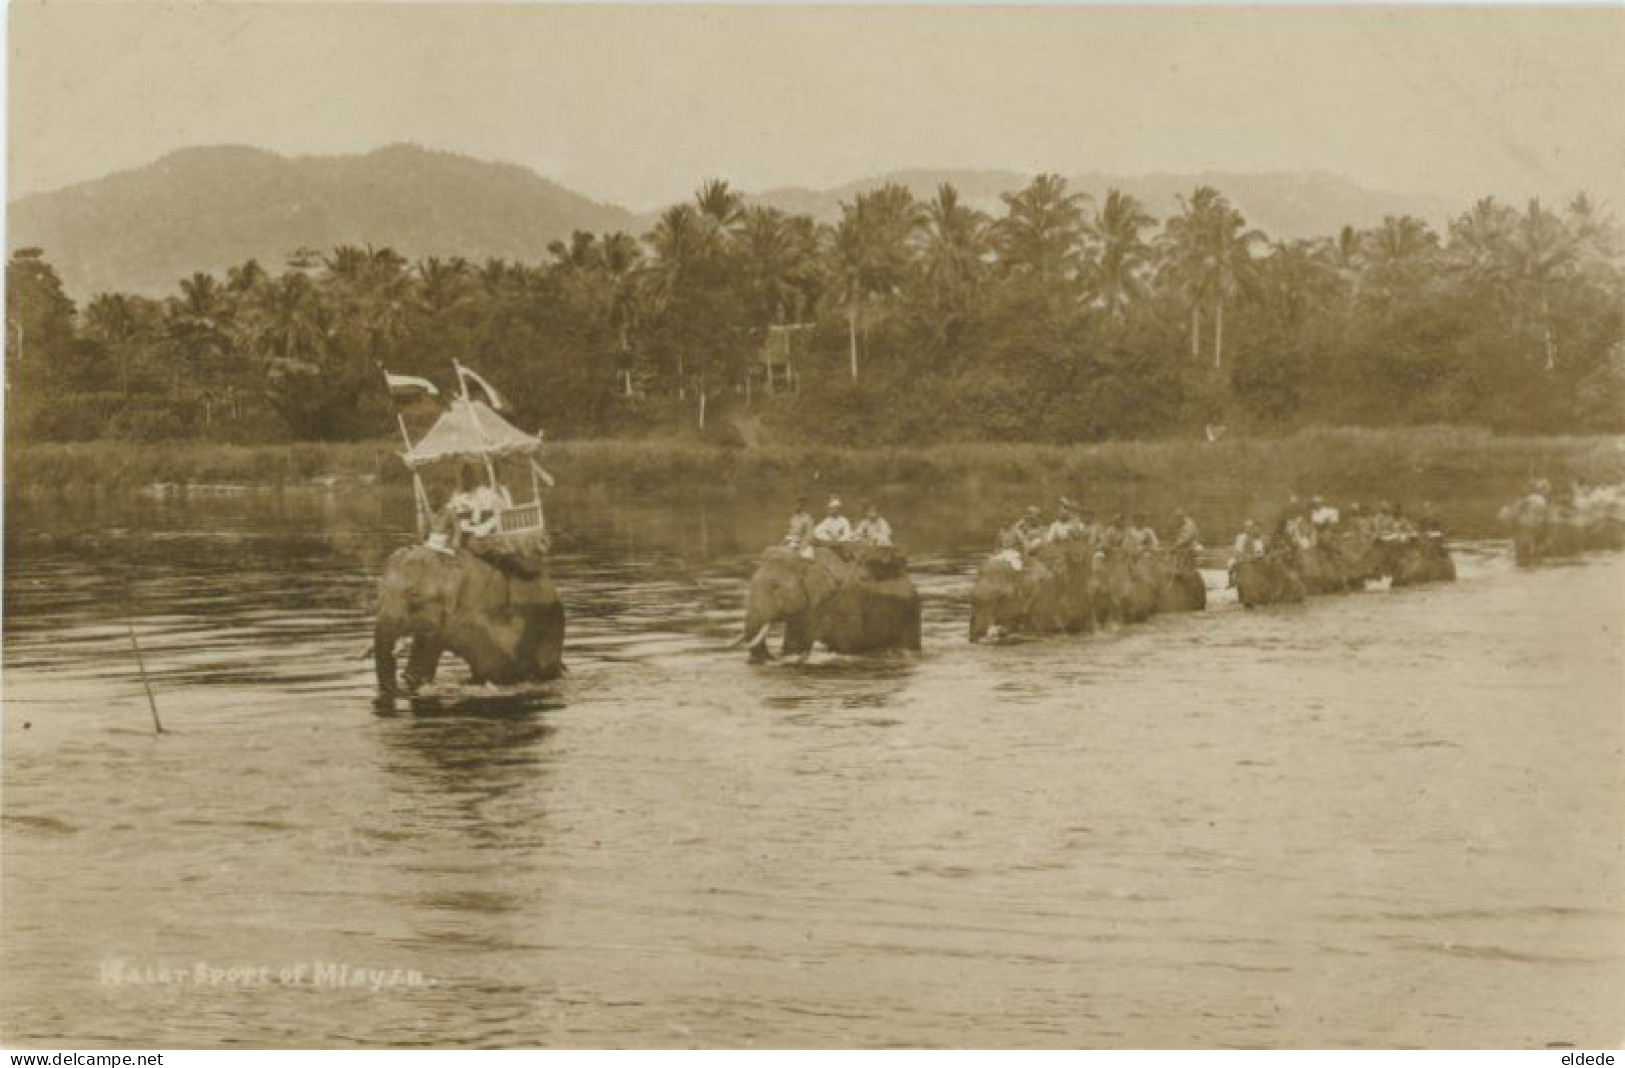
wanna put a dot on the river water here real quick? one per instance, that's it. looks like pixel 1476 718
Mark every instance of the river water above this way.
pixel 1389 818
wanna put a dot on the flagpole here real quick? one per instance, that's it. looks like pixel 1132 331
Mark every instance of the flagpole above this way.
pixel 474 416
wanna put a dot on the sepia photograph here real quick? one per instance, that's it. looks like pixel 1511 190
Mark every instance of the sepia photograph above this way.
pixel 760 526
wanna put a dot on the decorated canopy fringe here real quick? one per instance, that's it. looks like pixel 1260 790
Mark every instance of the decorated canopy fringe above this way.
pixel 469 431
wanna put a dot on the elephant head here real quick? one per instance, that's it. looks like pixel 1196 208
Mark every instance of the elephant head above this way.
pixel 1000 597
pixel 786 588
pixel 506 622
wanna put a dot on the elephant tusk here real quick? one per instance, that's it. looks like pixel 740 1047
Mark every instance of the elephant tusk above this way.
pixel 760 635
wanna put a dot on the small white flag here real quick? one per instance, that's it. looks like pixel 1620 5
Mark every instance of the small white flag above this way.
pixel 492 397
pixel 409 386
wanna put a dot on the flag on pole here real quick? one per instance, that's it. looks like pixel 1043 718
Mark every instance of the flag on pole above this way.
pixel 492 397
pixel 410 386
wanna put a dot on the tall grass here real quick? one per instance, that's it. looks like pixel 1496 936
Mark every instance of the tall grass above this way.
pixel 1333 460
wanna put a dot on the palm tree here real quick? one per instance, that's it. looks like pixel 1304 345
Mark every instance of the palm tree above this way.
pixel 1543 254
pixel 954 256
pixel 1123 256
pixel 719 203
pixel 1232 264
pixel 1207 255
pixel 111 319
pixel 580 253
pixel 442 285
pixel 869 252
pixel 289 328
pixel 1041 230
pixel 777 261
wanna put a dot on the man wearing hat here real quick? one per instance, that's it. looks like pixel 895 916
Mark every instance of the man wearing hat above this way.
pixel 873 528
pixel 801 526
pixel 1188 538
pixel 1324 516
pixel 1030 528
pixel 1067 525
pixel 834 528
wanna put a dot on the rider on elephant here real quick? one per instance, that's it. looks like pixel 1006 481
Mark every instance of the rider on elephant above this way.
pixel 800 534
pixel 873 529
pixel 1187 538
pixel 834 528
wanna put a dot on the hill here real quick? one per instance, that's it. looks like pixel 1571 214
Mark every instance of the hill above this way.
pixel 210 208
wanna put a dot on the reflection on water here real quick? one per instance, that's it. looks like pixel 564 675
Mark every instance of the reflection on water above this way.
pixel 1387 818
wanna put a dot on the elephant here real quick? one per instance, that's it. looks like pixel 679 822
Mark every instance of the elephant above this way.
pixel 1334 565
pixel 1268 579
pixel 1050 590
pixel 852 599
pixel 1542 531
pixel 1414 561
pixel 501 615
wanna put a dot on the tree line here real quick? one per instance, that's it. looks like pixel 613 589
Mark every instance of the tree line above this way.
pixel 1060 318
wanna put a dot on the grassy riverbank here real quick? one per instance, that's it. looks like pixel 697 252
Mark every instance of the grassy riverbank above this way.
pixel 1334 460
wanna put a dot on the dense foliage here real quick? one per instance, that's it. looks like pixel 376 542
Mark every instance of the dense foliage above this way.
pixel 1061 320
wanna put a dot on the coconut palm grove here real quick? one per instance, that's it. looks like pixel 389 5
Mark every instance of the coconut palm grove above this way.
pixel 1059 319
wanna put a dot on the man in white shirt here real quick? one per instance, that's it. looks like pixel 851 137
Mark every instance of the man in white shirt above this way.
pixel 1323 515
pixel 873 529
pixel 834 528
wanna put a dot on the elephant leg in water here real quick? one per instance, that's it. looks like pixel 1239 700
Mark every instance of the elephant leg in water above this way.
pixel 423 662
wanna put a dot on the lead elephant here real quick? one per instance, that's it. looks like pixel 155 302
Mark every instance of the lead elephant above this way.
pixel 1049 590
pixel 855 599
pixel 501 616
pixel 1268 579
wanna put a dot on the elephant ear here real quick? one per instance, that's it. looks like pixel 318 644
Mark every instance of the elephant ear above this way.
pixel 819 581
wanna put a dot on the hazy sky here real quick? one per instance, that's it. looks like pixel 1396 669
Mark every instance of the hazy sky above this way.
pixel 637 104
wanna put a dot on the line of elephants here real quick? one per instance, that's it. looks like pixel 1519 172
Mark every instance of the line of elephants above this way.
pixel 501 613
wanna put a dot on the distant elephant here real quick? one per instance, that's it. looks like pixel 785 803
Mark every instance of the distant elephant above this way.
pixel 1269 579
pixel 1050 590
pixel 503 617
pixel 1542 531
pixel 1414 561
pixel 854 599
pixel 1331 566
pixel 1128 587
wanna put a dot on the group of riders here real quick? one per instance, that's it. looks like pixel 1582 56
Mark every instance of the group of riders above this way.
pixel 471 512
pixel 835 531
pixel 1297 527
pixel 1300 526
pixel 1072 523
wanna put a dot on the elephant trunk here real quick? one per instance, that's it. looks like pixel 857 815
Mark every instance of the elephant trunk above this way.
pixel 383 658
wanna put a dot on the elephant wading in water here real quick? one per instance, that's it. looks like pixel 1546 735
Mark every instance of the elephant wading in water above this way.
pixel 1550 531
pixel 501 614
pixel 1050 590
pixel 856 599
pixel 1412 561
pixel 1271 578
pixel 1062 587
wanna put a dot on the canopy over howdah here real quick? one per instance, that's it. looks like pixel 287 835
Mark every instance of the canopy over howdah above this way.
pixel 469 431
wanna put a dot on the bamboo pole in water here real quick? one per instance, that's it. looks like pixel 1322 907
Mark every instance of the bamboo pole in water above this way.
pixel 152 702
